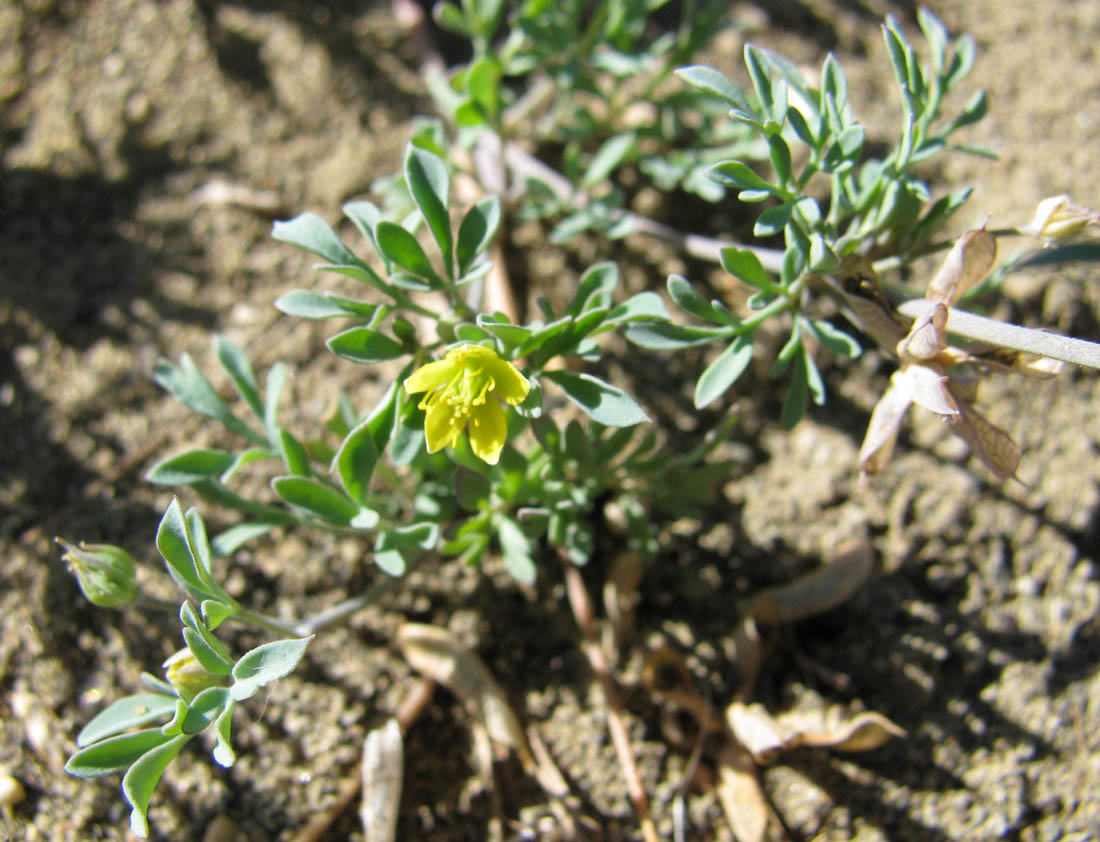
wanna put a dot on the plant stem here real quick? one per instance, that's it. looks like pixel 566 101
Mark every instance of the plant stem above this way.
pixel 584 615
pixel 1029 340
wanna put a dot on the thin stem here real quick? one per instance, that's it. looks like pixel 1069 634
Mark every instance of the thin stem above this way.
pixel 1029 340
pixel 584 615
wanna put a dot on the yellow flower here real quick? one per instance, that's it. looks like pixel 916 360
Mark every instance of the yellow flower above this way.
pixel 458 388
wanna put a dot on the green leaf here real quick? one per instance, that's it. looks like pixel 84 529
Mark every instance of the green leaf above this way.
pixel 780 155
pixel 402 249
pixel 192 388
pixel 205 708
pixel 681 290
pixel 364 345
pixel 429 183
pixel 228 542
pixel 713 82
pixel 511 335
pixel 365 216
pixel 116 752
pixel 123 715
pixel 355 461
pixel 744 265
pixel 936 33
pixel 516 551
pixel 223 751
pixel 311 233
pixel 484 86
pixel 476 232
pixel 264 664
pixel 736 174
pixel 207 649
pixel 641 305
pixel 295 456
pixel 235 363
pixel 215 612
pixel 602 402
pixel 773 220
pixel 471 489
pixel 191 466
pixel 794 402
pixel 612 153
pixel 141 779
pixel 319 499
pixel 665 336
pixel 306 304
pixel 813 378
pixel 835 339
pixel 273 393
pixel 594 288
pixel 407 439
pixel 724 371
pixel 174 544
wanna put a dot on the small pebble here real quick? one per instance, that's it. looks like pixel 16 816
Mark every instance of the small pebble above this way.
pixel 221 829
pixel 11 791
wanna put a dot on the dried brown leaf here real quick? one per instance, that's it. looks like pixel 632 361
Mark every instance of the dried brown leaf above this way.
pixel 819 590
pixel 748 813
pixel 438 654
pixel 757 730
pixel 383 773
pixel 837 728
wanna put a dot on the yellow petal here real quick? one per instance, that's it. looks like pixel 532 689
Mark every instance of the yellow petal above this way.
pixel 431 376
pixel 488 431
pixel 441 425
pixel 511 386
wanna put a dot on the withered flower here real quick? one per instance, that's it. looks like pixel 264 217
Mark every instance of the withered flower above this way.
pixel 927 376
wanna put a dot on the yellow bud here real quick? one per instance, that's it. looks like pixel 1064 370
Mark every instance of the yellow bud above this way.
pixel 184 672
pixel 1058 219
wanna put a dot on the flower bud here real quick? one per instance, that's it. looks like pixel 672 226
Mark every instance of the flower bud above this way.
pixel 184 672
pixel 1058 219
pixel 106 573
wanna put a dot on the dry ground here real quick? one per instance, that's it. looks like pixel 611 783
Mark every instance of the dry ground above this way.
pixel 977 633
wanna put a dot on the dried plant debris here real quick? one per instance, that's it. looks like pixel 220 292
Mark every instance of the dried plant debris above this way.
pixel 438 654
pixel 934 375
pixel 383 771
pixel 749 735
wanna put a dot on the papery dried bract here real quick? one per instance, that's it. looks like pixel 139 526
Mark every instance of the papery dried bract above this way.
pixel 969 260
pixel 989 443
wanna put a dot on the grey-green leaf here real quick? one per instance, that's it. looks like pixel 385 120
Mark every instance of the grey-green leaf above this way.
pixel 317 498
pixel 355 461
pixel 724 371
pixel 476 231
pixel 205 708
pixel 402 249
pixel 266 663
pixel 125 714
pixel 602 402
pixel 306 304
pixel 429 183
pixel 141 779
pixel 114 753
pixel 311 233
pixel 364 345
pixel 191 466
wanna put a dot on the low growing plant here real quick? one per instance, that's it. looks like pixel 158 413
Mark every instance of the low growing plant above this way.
pixel 498 434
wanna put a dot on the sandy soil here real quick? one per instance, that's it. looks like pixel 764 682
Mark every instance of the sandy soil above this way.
pixel 977 633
